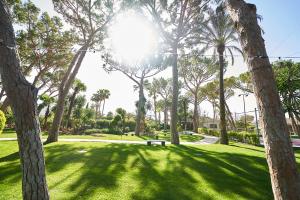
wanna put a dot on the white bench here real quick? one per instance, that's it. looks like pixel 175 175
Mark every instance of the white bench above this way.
pixel 149 142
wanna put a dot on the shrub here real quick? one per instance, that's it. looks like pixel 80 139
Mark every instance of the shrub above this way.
pixel 2 121
pixel 103 123
pixel 244 137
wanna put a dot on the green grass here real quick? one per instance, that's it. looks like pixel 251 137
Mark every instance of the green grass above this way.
pixel 120 171
pixel 102 136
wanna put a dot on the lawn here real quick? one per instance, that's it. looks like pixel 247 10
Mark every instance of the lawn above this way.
pixel 120 171
pixel 102 136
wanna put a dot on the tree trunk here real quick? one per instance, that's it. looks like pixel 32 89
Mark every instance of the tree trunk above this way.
pixel 5 105
pixel 279 152
pixel 229 116
pixel 175 91
pixel 155 109
pixel 166 116
pixel 196 115
pixel 46 117
pixel 141 106
pixel 23 98
pixel 103 107
pixel 159 119
pixel 63 92
pixel 295 128
pixel 71 105
pixel 223 131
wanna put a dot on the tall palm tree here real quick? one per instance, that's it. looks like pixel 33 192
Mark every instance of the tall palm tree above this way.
pixel 220 36
pixel 78 87
pixel 105 94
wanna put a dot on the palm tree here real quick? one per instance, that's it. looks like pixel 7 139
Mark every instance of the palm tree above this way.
pixel 78 87
pixel 46 102
pixel 104 94
pixel 152 89
pixel 97 99
pixel 219 35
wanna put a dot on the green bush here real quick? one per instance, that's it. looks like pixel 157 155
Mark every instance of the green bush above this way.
pixel 103 123
pixel 2 121
pixel 130 124
pixel 244 137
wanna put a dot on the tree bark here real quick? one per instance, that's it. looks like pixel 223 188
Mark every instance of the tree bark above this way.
pixel 71 105
pixel 103 107
pixel 141 106
pixel 23 98
pixel 295 128
pixel 280 156
pixel 46 117
pixel 196 115
pixel 155 109
pixel 223 131
pixel 166 115
pixel 229 116
pixel 175 91
pixel 63 92
pixel 5 105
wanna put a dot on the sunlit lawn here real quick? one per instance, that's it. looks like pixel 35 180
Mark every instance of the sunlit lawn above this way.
pixel 120 171
pixel 101 136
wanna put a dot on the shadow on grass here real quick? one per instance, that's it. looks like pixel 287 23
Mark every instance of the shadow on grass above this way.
pixel 173 172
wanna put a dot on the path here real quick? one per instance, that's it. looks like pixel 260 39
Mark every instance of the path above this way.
pixel 206 140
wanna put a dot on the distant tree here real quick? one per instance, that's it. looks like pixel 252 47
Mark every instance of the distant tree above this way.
pixel 46 103
pixel 152 89
pixel 105 94
pixel 195 71
pixel 122 113
pixel 287 76
pixel 178 22
pixel 244 82
pixel 110 115
pixel 165 92
pixel 78 87
pixel 138 74
pixel 96 97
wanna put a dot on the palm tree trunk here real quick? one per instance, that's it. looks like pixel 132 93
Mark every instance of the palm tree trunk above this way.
pixel 46 117
pixel 159 118
pixel 280 155
pixel 63 92
pixel 223 131
pixel 175 91
pixel 165 115
pixel 103 107
pixel 155 109
pixel 295 128
pixel 71 105
pixel 23 99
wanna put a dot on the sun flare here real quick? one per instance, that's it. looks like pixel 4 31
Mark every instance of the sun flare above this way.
pixel 132 37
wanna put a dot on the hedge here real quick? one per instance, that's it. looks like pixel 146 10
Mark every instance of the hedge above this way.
pixel 2 121
pixel 244 137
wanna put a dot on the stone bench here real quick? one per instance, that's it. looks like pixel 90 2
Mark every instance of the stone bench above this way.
pixel 149 142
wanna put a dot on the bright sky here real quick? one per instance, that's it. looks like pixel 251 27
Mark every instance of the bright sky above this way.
pixel 282 30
